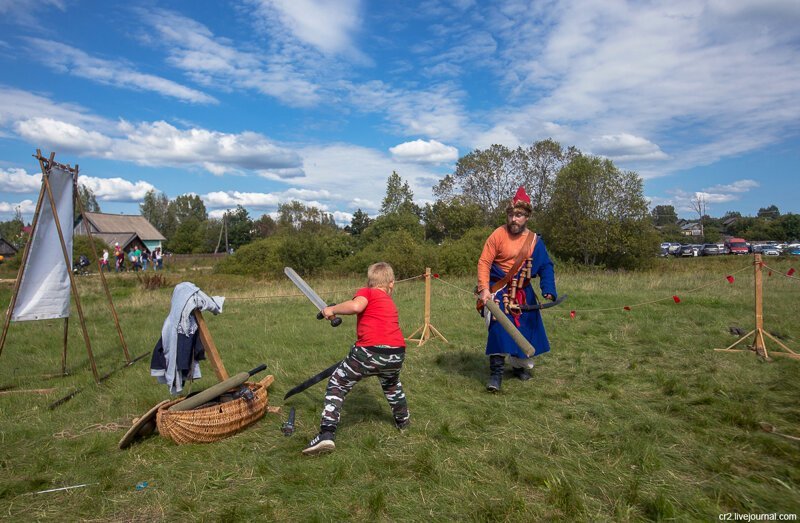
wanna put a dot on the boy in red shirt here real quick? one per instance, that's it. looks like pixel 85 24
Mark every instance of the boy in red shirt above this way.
pixel 378 351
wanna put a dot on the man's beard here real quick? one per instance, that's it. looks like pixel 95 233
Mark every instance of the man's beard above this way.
pixel 514 228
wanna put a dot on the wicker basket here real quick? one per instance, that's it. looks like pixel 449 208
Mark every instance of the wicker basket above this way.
pixel 215 422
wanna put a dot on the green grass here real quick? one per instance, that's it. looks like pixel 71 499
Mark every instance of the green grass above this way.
pixel 632 416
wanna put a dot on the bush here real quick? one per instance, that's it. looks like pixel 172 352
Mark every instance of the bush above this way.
pixel 259 258
pixel 460 257
pixel 406 256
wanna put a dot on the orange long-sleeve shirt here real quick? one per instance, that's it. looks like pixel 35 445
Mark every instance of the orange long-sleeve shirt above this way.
pixel 500 248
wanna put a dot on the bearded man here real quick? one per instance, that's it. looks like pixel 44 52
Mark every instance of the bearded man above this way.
pixel 512 257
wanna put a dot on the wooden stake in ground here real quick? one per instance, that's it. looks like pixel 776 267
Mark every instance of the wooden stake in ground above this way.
pixel 759 345
pixel 427 328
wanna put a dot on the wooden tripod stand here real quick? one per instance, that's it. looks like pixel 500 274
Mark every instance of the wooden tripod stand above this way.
pixel 759 345
pixel 427 328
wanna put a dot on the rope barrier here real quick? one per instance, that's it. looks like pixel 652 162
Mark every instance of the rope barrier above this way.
pixel 299 294
pixel 674 297
pixel 788 275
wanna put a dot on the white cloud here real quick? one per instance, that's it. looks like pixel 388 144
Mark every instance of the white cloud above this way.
pixel 117 189
pixel 327 26
pixel 19 181
pixel 356 176
pixel 63 136
pixel 162 144
pixel 16 105
pixel 697 81
pixel 25 207
pixel 626 147
pixel 214 61
pixel 66 59
pixel 739 186
pixel 421 151
pixel 24 10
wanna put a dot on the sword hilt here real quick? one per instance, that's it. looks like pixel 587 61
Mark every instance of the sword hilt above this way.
pixel 288 427
pixel 335 322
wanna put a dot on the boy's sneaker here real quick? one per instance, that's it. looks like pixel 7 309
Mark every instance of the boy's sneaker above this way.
pixel 322 442
pixel 402 425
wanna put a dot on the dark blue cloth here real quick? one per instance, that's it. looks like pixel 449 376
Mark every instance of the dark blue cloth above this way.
pixel 190 349
pixel 530 322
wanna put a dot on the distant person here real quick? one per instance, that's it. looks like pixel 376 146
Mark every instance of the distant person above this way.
pixel 158 259
pixel 378 351
pixel 120 258
pixel 104 261
pixel 513 249
pixel 145 257
pixel 137 253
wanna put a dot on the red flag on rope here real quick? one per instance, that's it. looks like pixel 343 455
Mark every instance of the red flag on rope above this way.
pixel 626 308
pixel 676 299
pixel 571 314
pixel 769 273
pixel 729 278
pixel 791 271
pixel 436 275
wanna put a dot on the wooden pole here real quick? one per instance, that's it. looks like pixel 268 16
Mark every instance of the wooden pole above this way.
pixel 72 282
pixel 210 347
pixel 25 255
pixel 427 329
pixel 64 351
pixel 759 345
pixel 102 275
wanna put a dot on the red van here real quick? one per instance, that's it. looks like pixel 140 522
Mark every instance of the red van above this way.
pixel 737 246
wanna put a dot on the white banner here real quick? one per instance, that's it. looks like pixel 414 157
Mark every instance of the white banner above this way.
pixel 44 292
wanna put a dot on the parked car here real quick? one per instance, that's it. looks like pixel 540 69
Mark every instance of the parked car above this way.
pixel 711 249
pixel 691 250
pixel 793 249
pixel 669 248
pixel 723 249
pixel 737 246
pixel 767 249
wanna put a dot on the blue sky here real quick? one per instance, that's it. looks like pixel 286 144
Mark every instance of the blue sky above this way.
pixel 259 102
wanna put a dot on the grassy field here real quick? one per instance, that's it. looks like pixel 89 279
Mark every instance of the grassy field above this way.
pixel 632 416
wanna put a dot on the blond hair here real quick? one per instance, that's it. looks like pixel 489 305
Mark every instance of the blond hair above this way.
pixel 380 275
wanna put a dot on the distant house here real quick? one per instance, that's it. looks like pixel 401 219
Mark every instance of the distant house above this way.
pixel 127 230
pixel 691 229
pixel 6 249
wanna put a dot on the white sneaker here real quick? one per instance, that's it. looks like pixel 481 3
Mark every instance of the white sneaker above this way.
pixel 322 442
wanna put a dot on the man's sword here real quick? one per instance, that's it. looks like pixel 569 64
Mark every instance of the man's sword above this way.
pixel 318 302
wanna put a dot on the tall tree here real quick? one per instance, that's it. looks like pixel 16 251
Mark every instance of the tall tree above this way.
pixel 699 206
pixel 664 215
pixel 770 212
pixel 239 227
pixel 450 220
pixel 296 215
pixel 598 215
pixel 399 197
pixel 189 207
pixel 359 222
pixel 490 177
pixel 264 226
pixel 88 200
pixel 156 209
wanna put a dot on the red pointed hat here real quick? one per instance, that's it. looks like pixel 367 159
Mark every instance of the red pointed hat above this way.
pixel 521 201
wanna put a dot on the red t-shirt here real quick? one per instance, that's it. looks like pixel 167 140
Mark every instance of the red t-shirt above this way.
pixel 378 323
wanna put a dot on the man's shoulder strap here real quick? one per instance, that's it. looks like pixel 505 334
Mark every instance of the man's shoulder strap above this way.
pixel 527 248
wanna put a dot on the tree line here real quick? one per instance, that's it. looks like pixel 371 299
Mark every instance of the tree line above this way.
pixel 587 210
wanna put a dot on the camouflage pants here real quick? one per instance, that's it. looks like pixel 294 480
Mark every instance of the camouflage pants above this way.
pixel 361 363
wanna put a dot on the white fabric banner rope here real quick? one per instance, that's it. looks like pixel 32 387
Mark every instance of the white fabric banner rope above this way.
pixel 44 292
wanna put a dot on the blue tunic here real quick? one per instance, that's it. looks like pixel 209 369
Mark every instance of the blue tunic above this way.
pixel 530 322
